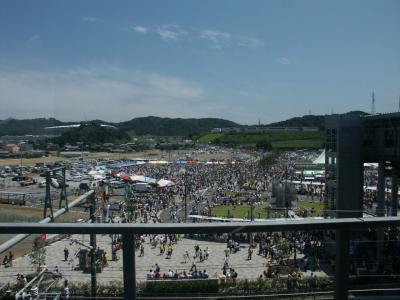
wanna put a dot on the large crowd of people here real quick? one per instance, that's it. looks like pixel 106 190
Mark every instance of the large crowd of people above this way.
pixel 286 254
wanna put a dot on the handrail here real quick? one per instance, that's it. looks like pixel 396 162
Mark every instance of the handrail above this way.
pixel 201 228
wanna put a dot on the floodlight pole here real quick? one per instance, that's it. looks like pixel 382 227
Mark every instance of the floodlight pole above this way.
pixel 185 197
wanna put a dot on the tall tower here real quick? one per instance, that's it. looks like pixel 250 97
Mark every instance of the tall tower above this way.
pixel 399 105
pixel 373 103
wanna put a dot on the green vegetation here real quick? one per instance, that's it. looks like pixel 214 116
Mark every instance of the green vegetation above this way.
pixel 310 120
pixel 90 134
pixel 297 144
pixel 181 286
pixel 268 140
pixel 170 127
pixel 28 126
pixel 164 127
pixel 314 209
pixel 269 159
pixel 137 126
pixel 15 213
pixel 244 211
pixel 38 254
pixel 210 288
pixel 210 137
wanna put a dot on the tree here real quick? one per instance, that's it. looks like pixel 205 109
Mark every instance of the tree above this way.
pixel 268 160
pixel 264 145
pixel 38 254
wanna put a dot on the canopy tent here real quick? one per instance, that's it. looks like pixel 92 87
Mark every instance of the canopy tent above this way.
pixel 164 183
pixel 141 178
pixel 158 162
pixel 320 159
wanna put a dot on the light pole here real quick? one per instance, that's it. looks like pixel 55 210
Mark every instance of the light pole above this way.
pixel 185 174
pixel 185 196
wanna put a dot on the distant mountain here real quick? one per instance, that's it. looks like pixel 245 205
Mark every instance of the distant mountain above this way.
pixel 310 120
pixel 138 126
pixel 169 127
pixel 90 134
pixel 153 125
pixel 28 126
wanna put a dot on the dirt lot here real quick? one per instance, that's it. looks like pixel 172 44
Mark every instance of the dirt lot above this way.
pixel 32 161
pixel 150 154
pixel 15 213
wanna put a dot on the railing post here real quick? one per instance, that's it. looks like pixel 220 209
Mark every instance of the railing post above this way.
pixel 342 264
pixel 395 190
pixel 93 243
pixel 129 266
pixel 93 265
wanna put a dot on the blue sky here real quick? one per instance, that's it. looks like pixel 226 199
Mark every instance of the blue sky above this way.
pixel 238 60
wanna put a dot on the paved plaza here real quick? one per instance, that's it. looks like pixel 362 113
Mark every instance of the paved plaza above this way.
pixel 113 271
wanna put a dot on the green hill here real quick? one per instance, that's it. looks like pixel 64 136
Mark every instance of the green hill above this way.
pixel 28 126
pixel 170 127
pixel 137 126
pixel 310 120
pixel 92 134
pixel 277 139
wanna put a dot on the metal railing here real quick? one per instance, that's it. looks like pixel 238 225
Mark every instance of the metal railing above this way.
pixel 341 226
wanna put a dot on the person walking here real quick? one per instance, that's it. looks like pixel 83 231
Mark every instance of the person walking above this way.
pixel 65 290
pixel 249 253
pixel 66 253
pixel 10 259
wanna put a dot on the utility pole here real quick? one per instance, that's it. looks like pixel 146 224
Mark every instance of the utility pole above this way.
pixel 373 103
pixel 399 105
pixel 185 196
pixel 20 154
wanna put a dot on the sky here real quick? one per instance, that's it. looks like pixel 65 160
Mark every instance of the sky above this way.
pixel 238 60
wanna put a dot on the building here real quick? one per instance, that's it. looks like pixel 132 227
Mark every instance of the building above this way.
pixel 14 148
pixel 250 129
pixel 351 141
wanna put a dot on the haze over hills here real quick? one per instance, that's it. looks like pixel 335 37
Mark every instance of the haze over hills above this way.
pixel 137 126
pixel 153 125
pixel 310 120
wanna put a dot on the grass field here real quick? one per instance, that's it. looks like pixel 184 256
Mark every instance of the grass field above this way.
pixel 297 144
pixel 210 137
pixel 318 208
pixel 278 139
pixel 243 211
pixel 16 213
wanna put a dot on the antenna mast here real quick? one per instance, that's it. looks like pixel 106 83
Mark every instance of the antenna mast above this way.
pixel 373 103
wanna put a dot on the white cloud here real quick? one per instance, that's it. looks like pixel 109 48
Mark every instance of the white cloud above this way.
pixel 108 93
pixel 218 39
pixel 252 42
pixel 170 32
pixel 33 39
pixel 140 29
pixel 283 61
pixel 89 19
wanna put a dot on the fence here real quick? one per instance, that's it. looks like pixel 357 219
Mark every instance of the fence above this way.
pixel 342 227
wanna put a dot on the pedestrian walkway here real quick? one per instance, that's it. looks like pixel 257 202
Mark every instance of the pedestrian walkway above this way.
pixel 113 271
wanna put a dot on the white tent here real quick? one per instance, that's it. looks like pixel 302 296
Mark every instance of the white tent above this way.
pixel 320 159
pixel 158 162
pixel 165 182
pixel 141 178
